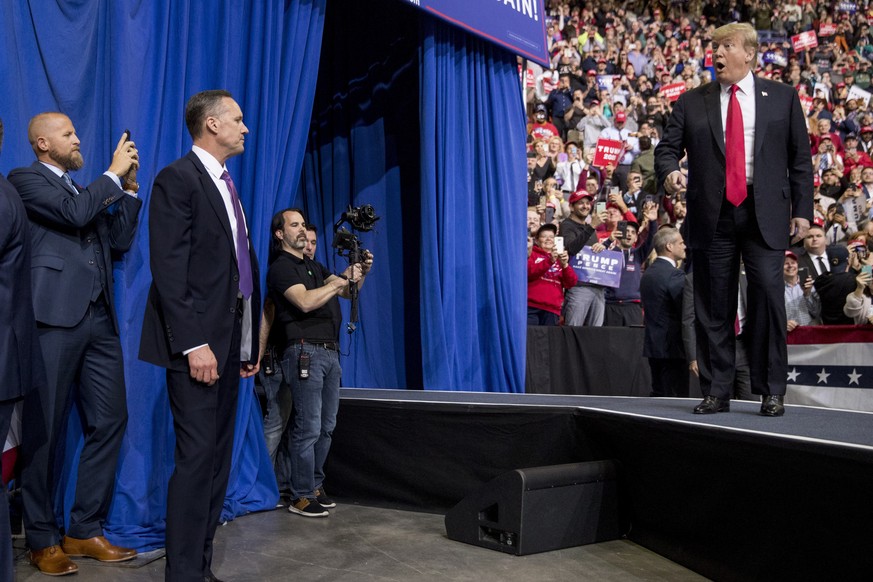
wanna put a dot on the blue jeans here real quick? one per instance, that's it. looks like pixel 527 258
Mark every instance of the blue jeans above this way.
pixel 278 411
pixel 316 400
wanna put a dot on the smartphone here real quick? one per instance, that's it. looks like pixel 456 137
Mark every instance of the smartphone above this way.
pixel 867 269
pixel 802 274
pixel 600 207
pixel 621 229
pixel 127 133
pixel 559 244
pixel 614 190
pixel 542 200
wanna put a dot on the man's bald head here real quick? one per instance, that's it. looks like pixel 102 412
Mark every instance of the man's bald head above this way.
pixel 54 140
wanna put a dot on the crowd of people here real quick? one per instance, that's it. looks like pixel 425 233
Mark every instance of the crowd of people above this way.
pixel 614 73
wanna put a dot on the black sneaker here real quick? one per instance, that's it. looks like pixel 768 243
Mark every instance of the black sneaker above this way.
pixel 323 499
pixel 307 508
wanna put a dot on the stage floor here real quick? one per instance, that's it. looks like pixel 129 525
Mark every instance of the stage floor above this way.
pixel 360 544
pixel 843 428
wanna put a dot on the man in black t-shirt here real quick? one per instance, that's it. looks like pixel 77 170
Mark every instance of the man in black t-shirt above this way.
pixel 307 310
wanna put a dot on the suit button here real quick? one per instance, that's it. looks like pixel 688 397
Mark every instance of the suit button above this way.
pixel 91 262
pixel 233 309
pixel 236 278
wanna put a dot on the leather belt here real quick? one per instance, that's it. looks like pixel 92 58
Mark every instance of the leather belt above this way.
pixel 333 346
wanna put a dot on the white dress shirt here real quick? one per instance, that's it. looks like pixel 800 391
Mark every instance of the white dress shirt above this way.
pixel 746 98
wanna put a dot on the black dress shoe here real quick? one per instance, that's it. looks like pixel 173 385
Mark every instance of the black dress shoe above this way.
pixel 772 405
pixel 711 405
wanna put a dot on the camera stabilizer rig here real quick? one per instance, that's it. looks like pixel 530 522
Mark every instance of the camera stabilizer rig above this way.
pixel 347 245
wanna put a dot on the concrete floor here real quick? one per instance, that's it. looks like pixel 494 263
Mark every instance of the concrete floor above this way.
pixel 358 543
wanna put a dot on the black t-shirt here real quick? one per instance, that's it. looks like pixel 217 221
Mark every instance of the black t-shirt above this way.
pixel 322 324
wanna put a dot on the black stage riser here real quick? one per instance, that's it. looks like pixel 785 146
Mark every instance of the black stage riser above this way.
pixel 729 505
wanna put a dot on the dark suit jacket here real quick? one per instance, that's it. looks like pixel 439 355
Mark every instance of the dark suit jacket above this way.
pixel 61 222
pixel 661 293
pixel 783 165
pixel 195 278
pixel 20 361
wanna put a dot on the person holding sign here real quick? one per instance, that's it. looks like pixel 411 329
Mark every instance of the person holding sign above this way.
pixel 548 274
pixel 749 194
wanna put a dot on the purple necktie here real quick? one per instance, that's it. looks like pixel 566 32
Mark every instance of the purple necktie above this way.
pixel 242 245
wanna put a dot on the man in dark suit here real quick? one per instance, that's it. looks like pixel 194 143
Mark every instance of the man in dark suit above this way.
pixel 749 191
pixel 661 292
pixel 20 361
pixel 201 322
pixel 74 231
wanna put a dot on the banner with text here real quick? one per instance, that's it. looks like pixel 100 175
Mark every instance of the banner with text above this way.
pixel 519 25
pixel 804 40
pixel 603 268
pixel 673 91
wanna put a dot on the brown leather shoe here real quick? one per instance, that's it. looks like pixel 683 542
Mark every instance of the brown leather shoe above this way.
pixel 53 561
pixel 98 548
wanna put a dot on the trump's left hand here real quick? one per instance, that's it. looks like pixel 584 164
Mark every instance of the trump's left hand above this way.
pixel 798 229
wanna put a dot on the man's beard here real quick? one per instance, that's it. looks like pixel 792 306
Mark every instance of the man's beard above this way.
pixel 298 244
pixel 73 161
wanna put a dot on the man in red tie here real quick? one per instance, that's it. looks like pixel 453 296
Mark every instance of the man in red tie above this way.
pixel 749 193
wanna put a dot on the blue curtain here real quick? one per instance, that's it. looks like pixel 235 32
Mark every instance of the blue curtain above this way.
pixel 133 64
pixel 363 149
pixel 426 123
pixel 473 290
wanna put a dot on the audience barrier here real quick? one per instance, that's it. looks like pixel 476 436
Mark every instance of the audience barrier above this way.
pixel 829 365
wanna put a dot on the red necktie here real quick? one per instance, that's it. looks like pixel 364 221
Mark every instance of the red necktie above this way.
pixel 735 152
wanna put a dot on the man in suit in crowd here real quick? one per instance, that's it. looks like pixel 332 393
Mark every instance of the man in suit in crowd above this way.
pixel 74 231
pixel 661 290
pixel 20 360
pixel 749 193
pixel 201 321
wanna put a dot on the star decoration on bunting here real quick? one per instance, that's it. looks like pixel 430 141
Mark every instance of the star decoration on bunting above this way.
pixel 793 374
pixel 823 376
pixel 854 377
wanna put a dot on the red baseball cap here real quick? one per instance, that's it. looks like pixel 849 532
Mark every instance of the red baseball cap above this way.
pixel 621 116
pixel 579 195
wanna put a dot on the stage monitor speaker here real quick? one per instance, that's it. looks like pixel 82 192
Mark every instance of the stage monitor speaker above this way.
pixel 527 511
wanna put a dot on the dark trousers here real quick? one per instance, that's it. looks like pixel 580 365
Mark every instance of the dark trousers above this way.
pixel 88 355
pixel 537 316
pixel 716 280
pixel 203 419
pixel 623 314
pixel 6 563
pixel 669 377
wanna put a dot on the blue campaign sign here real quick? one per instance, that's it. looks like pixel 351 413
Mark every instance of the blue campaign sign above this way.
pixel 603 268
pixel 519 25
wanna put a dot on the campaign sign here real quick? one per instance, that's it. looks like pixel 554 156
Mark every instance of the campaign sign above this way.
pixel 707 59
pixel 806 103
pixel 804 40
pixel 858 93
pixel 849 7
pixel 827 29
pixel 603 268
pixel 607 152
pixel 519 25
pixel 673 91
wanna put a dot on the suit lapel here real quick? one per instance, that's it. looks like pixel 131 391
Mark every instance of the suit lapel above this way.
pixel 214 198
pixel 712 101
pixel 52 177
pixel 761 103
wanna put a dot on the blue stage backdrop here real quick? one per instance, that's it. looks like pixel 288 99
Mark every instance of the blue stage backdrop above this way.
pixel 431 132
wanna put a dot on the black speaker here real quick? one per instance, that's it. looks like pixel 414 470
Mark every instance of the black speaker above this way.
pixel 527 511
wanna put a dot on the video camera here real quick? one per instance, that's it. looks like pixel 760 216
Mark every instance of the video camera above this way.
pixel 347 244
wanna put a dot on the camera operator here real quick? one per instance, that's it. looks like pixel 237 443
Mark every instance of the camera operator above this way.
pixel 305 295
